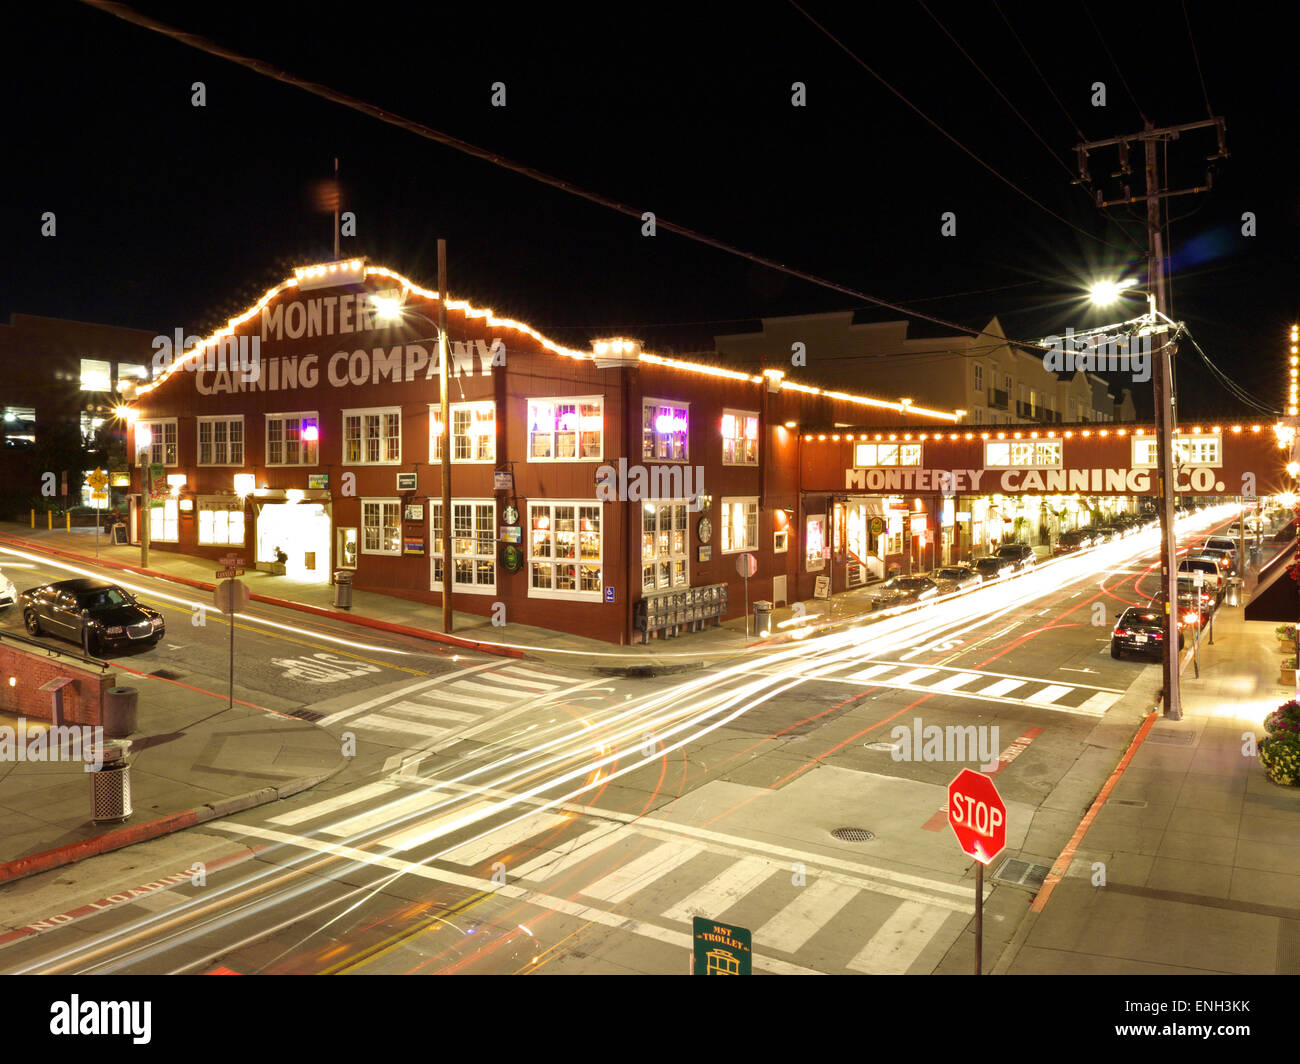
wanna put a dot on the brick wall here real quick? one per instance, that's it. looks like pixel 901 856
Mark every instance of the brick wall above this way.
pixel 23 672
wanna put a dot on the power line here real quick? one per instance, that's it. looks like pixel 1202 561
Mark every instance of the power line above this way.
pixel 1110 55
pixel 202 44
pixel 1197 56
pixel 943 132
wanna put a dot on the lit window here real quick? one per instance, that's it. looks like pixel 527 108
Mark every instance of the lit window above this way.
pixel 886 454
pixel 96 375
pixel 664 553
pixel 739 525
pixel 372 437
pixel 564 551
pixel 381 530
pixel 665 427
pixel 1022 454
pixel 473 544
pixel 1188 450
pixel 221 522
pixel 292 439
pixel 473 432
pixel 162 445
pixel 739 438
pixel 570 429
pixel 162 520
pixel 18 427
pixel 221 441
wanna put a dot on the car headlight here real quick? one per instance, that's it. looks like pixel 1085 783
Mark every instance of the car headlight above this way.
pixel 156 621
pixel 115 630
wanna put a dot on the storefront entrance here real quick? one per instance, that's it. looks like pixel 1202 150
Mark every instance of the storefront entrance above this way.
pixel 302 531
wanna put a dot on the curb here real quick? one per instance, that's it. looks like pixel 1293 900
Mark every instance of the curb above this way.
pixel 319 611
pixel 120 838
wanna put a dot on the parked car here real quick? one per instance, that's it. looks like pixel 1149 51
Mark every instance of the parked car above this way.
pixel 1022 557
pixel 1141 631
pixel 8 593
pixel 955 578
pixel 1078 539
pixel 994 567
pixel 1228 554
pixel 900 590
pixel 94 613
pixel 1189 617
pixel 1191 564
pixel 1202 598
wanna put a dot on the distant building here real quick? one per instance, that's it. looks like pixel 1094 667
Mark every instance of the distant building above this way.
pixel 994 381
pixel 59 373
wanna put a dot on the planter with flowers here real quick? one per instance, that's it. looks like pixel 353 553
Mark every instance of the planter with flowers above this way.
pixel 1288 672
pixel 1284 721
pixel 1286 637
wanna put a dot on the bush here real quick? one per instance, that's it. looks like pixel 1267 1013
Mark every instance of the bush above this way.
pixel 1285 631
pixel 1280 757
pixel 1285 720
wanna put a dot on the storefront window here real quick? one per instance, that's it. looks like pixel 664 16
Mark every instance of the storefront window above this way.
pixel 664 554
pixel 564 550
pixel 381 530
pixel 163 521
pixel 221 521
pixel 815 542
pixel 473 432
pixel 473 544
pixel 566 429
pixel 665 430
pixel 739 438
pixel 739 525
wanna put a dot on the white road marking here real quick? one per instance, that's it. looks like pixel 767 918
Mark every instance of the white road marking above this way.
pixel 466 816
pixel 807 914
pixel 386 814
pixel 379 722
pixel 640 873
pixel 503 838
pixel 557 860
pixel 1048 694
pixel 893 949
pixel 959 679
pixel 419 685
pixel 1099 703
pixel 1001 687
pixel 723 890
pixel 913 675
pixel 331 805
pixel 867 674
pixel 424 710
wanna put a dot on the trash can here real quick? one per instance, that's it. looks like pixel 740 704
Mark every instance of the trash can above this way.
pixel 120 711
pixel 1234 591
pixel 343 589
pixel 110 784
pixel 762 618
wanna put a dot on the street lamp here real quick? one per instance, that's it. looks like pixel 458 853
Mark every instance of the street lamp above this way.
pixel 1103 294
pixel 143 443
pixel 389 309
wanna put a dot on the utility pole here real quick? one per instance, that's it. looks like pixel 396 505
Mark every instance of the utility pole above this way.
pixel 448 575
pixel 1162 371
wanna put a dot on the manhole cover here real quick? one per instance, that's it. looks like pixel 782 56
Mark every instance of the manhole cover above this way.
pixel 309 715
pixel 853 834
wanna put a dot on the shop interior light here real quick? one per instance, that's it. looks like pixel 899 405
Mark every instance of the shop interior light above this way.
pixel 143 437
pixel 294 495
pixel 244 483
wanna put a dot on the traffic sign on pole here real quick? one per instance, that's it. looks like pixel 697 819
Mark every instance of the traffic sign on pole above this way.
pixel 977 815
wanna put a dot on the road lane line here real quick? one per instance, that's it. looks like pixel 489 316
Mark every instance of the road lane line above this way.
pixel 559 858
pixel 1049 694
pixel 385 814
pixel 623 882
pixel 723 890
pixel 473 853
pixel 804 916
pixel 1000 688
pixel 901 939
pixel 436 828
pixel 331 805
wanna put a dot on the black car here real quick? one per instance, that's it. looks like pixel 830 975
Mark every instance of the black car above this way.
pixel 994 567
pixel 955 578
pixel 98 615
pixel 1019 555
pixel 901 590
pixel 1141 630
pixel 1069 542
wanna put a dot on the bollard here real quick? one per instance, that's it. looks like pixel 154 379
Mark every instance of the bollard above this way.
pixel 33 517
pixel 49 520
pixel 67 519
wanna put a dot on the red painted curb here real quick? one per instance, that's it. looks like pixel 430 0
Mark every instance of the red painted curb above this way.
pixel 112 840
pixel 358 619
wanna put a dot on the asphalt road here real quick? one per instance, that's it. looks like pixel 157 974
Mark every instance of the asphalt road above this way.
pixel 505 817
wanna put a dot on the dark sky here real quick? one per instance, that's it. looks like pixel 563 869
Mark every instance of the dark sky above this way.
pixel 170 215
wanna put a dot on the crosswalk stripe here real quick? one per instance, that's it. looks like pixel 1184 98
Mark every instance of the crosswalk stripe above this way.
pixel 386 813
pixel 547 677
pixel 641 872
pixel 1099 703
pixel 811 908
pixel 502 839
pixel 423 711
pixel 960 679
pixel 523 681
pixel 1048 694
pixel 433 829
pixel 873 671
pixel 557 860
pixel 1001 687
pixel 330 805
pixel 448 695
pixel 481 690
pixel 379 722
pixel 723 891
pixel 913 675
pixel 894 948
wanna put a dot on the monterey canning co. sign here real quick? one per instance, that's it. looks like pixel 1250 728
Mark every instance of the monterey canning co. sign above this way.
pixel 1014 481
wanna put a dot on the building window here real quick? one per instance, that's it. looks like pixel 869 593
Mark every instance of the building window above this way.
pixel 665 428
pixel 381 529
pixel 473 545
pixel 665 555
pixel 566 429
pixel 739 525
pixel 739 437
pixel 372 437
pixel 979 377
pixel 886 454
pixel 292 439
pixel 18 427
pixel 1188 450
pixel 473 432
pixel 162 521
pixel 221 522
pixel 162 445
pixel 96 376
pixel 564 550
pixel 221 441
pixel 815 542
pixel 1022 454
pixel 1074 410
pixel 781 541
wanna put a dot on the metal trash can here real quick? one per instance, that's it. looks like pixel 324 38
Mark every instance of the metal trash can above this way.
pixel 120 704
pixel 343 589
pixel 762 618
pixel 110 784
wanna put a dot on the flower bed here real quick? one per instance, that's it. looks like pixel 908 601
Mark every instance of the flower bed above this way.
pixel 1279 750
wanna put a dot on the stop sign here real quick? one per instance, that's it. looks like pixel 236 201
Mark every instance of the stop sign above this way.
pixel 977 816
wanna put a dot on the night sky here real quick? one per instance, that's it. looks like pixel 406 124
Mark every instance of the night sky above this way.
pixel 171 215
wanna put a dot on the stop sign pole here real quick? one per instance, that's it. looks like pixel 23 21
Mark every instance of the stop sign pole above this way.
pixel 978 817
